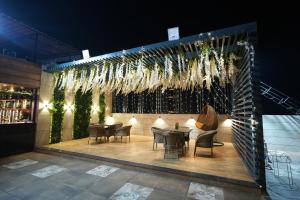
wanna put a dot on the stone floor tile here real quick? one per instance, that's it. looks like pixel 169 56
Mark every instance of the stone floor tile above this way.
pixel 132 192
pixel 204 192
pixel 174 186
pixel 87 196
pixel 164 195
pixel 13 183
pixel 102 170
pixel 48 171
pixel 20 164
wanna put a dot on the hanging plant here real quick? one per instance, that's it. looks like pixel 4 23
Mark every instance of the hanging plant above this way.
pixel 57 111
pixel 101 113
pixel 82 113
pixel 180 70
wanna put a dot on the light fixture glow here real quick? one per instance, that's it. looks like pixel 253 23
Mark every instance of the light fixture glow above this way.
pixel 45 105
pixel 68 107
pixel 159 121
pixel 133 120
pixel 190 122
pixel 227 122
pixel 95 108
pixel 110 120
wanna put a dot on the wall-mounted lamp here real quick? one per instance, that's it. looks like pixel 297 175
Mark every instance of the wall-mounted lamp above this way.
pixel 133 120
pixel 191 122
pixel 45 105
pixel 228 123
pixel 110 120
pixel 95 108
pixel 68 107
pixel 159 121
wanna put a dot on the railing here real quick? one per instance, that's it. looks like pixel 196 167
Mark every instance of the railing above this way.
pixel 290 104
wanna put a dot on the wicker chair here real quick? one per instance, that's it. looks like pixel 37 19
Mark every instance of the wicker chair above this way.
pixel 186 136
pixel 111 130
pixel 174 145
pixel 205 140
pixel 158 136
pixel 96 131
pixel 123 131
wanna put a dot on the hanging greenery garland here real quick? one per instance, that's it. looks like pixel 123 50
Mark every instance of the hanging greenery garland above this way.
pixel 101 113
pixel 82 113
pixel 177 71
pixel 57 111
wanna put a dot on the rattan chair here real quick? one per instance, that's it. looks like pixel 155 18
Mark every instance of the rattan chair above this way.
pixel 93 132
pixel 174 145
pixel 205 140
pixel 123 131
pixel 158 136
pixel 111 130
pixel 186 136
pixel 96 131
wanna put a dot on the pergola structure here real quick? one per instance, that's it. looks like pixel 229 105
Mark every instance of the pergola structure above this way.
pixel 245 112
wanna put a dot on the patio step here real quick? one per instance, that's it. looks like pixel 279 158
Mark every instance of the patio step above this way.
pixel 199 177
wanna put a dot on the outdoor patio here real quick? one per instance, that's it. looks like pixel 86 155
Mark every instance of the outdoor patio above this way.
pixel 226 162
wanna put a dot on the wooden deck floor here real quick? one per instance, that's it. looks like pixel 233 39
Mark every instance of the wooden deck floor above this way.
pixel 225 162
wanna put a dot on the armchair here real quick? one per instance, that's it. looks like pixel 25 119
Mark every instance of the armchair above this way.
pixel 205 140
pixel 123 131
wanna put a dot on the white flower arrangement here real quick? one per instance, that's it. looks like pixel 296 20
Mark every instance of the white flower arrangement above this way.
pixel 134 76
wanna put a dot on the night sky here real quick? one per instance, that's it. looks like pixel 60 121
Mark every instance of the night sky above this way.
pixel 108 26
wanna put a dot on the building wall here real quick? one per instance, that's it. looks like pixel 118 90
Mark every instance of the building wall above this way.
pixel 141 124
pixel 19 72
pixel 43 115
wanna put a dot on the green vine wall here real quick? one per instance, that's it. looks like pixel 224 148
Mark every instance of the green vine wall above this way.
pixel 82 113
pixel 57 112
pixel 101 113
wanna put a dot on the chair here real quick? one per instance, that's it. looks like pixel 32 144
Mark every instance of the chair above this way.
pixel 205 140
pixel 111 130
pixel 96 131
pixel 174 144
pixel 123 131
pixel 158 136
pixel 101 132
pixel 93 132
pixel 186 136
pixel 208 119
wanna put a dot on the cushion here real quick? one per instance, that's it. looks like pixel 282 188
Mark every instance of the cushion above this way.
pixel 199 125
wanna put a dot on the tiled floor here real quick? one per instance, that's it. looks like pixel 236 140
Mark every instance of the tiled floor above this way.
pixel 225 163
pixel 60 178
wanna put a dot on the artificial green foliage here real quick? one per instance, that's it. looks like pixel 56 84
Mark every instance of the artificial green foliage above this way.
pixel 82 113
pixel 57 112
pixel 101 113
pixel 15 95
